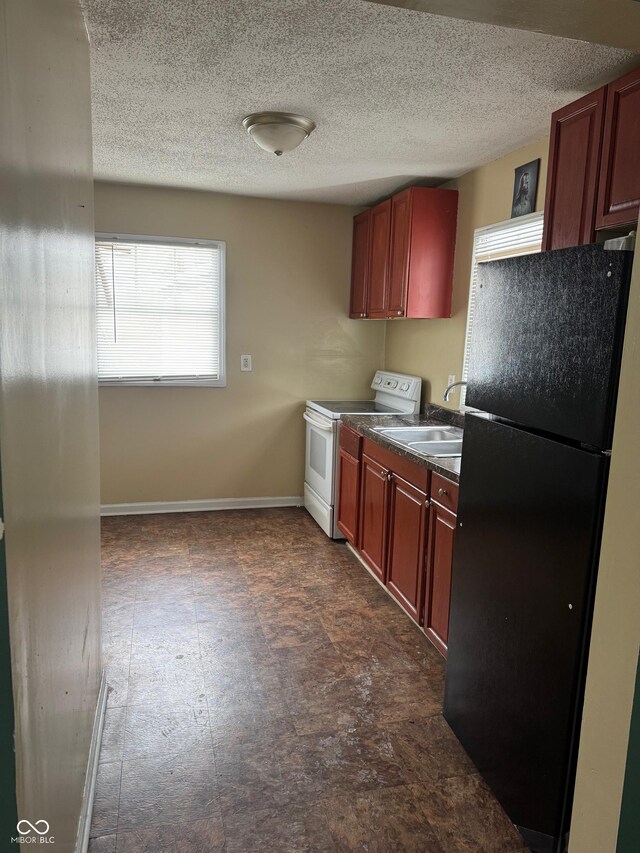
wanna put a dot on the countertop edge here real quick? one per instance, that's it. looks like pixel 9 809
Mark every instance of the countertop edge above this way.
pixel 364 424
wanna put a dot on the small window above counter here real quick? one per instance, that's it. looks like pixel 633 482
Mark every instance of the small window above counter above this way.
pixel 403 252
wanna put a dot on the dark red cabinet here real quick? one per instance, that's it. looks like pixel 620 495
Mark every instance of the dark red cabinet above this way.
pixel 593 179
pixel 349 492
pixel 574 163
pixel 399 254
pixel 439 565
pixel 358 306
pixel 409 267
pixel 378 273
pixel 619 187
pixel 439 560
pixel 349 483
pixel 405 520
pixel 405 560
pixel 374 509
pixel 423 242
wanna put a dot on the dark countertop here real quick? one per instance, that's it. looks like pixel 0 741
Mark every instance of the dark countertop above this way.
pixel 448 467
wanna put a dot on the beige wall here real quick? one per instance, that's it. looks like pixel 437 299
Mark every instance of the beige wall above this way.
pixel 49 405
pixel 615 641
pixel 433 349
pixel 288 271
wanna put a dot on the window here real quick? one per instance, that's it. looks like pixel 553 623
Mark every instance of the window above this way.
pixel 520 236
pixel 160 311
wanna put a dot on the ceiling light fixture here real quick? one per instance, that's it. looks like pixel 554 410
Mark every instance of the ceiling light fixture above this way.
pixel 278 132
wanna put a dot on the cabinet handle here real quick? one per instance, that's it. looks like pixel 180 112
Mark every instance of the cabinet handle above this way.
pixel 389 475
pixel 442 492
pixel 400 313
pixel 363 315
pixel 427 503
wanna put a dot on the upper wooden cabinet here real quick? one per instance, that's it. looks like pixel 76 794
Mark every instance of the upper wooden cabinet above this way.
pixel 619 188
pixel 378 273
pixel 593 179
pixel 399 253
pixel 360 265
pixel 409 272
pixel 572 177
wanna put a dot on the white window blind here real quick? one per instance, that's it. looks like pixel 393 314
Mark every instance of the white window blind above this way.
pixel 160 311
pixel 520 236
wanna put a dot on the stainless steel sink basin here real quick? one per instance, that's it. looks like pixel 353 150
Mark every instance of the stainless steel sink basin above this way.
pixel 407 435
pixel 427 440
pixel 437 448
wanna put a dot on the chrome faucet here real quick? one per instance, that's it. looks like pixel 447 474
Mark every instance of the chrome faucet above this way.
pixel 450 388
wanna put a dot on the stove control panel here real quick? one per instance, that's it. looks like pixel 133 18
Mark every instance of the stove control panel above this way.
pixel 396 385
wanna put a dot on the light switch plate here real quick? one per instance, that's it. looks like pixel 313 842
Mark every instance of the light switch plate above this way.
pixel 245 363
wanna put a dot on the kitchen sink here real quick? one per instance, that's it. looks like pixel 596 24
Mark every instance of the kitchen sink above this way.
pixel 406 435
pixel 426 440
pixel 437 448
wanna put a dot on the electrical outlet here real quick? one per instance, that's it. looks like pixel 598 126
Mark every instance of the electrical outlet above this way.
pixel 245 363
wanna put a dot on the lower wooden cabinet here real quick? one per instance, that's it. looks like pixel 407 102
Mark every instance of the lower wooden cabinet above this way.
pixel 349 478
pixel 402 521
pixel 374 513
pixel 439 565
pixel 405 555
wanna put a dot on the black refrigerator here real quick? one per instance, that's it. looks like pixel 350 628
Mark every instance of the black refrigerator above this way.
pixel 545 355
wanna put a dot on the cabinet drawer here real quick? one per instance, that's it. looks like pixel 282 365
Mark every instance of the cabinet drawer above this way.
pixel 444 492
pixel 350 441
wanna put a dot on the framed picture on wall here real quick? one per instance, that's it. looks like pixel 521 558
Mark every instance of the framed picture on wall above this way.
pixel 525 188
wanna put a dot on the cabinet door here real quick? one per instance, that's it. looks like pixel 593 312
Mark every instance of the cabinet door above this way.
pixel 360 265
pixel 619 189
pixel 405 562
pixel 432 243
pixel 399 253
pixel 374 515
pixel 348 494
pixel 572 179
pixel 442 526
pixel 379 260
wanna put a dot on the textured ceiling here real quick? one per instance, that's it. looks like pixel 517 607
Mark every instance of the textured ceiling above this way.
pixel 613 22
pixel 397 94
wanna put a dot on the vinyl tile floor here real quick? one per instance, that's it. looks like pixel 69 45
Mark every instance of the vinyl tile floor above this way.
pixel 265 694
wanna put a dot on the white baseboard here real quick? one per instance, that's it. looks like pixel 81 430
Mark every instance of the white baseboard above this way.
pixel 84 824
pixel 199 506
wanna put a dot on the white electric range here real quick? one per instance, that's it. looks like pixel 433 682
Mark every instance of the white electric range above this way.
pixel 395 394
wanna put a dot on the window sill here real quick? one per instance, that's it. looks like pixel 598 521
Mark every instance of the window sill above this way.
pixel 178 383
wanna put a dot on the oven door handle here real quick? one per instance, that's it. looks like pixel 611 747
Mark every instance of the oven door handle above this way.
pixel 317 424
